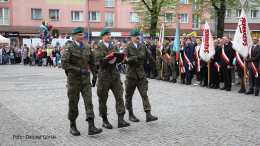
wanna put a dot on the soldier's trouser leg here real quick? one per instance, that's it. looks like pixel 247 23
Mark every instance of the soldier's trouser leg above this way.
pixel 130 86
pixel 87 97
pixel 173 68
pixel 73 95
pixel 166 68
pixel 102 93
pixel 117 89
pixel 142 86
pixel 159 66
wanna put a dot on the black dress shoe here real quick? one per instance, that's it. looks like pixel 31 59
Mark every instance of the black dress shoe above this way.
pixel 241 91
pixel 174 81
pixel 228 89
pixel 216 86
pixel 150 117
pixel 188 83
pixel 223 88
pixel 250 92
pixel 203 85
pixel 256 93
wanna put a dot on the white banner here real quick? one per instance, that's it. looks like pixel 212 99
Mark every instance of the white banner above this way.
pixel 207 49
pixel 242 39
pixel 161 39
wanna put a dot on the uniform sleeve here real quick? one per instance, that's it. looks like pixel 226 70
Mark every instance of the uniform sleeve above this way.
pixel 92 65
pixel 149 57
pixel 101 59
pixel 65 60
pixel 129 59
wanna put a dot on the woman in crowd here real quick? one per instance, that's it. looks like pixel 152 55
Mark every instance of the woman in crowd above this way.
pixel 44 55
pixel 197 61
pixel 25 55
pixel 12 56
pixel 92 48
pixel 240 73
pixel 54 55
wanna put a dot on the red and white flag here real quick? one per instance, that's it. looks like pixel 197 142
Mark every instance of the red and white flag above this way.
pixel 207 50
pixel 242 39
pixel 161 39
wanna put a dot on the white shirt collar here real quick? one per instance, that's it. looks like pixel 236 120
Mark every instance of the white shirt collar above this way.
pixel 135 45
pixel 106 44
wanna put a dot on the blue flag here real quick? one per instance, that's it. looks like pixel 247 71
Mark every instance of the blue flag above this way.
pixel 141 37
pixel 176 45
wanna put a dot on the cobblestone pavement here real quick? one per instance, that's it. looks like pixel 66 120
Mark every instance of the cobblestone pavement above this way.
pixel 33 103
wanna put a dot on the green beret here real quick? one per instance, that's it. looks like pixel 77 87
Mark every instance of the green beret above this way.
pixel 78 30
pixel 134 32
pixel 104 31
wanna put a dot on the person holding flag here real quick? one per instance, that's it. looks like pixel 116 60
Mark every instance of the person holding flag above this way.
pixel 166 59
pixel 173 62
pixel 253 65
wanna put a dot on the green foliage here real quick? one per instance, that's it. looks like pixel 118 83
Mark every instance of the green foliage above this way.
pixel 151 14
pixel 55 31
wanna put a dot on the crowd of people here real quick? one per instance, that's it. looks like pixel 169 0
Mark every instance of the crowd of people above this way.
pixel 222 66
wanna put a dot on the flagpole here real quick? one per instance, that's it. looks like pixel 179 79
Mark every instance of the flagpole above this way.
pixel 179 49
pixel 244 74
pixel 163 56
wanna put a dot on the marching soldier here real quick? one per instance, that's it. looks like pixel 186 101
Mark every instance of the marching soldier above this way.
pixel 75 61
pixel 166 66
pixel 107 56
pixel 135 76
pixel 173 63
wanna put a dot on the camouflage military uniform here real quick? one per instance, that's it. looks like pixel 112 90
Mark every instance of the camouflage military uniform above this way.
pixel 135 75
pixel 74 59
pixel 108 78
pixel 166 65
pixel 173 64
pixel 158 62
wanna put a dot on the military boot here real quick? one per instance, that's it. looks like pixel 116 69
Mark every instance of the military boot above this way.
pixel 92 128
pixel 167 78
pixel 121 121
pixel 150 117
pixel 152 76
pixel 174 81
pixel 163 79
pixel 73 128
pixel 132 117
pixel 105 123
pixel 158 78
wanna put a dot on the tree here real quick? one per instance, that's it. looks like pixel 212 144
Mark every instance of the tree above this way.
pixel 217 10
pixel 151 13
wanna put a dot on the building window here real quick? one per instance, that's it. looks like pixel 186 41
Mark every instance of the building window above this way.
pixel 133 17
pixel 4 1
pixel 36 13
pixel 195 22
pixel 254 13
pixel 77 16
pixel 195 5
pixel 134 0
pixel 183 1
pixel 54 15
pixel 228 13
pixel 184 18
pixel 238 13
pixel 94 16
pixel 109 19
pixel 168 17
pixel 109 3
pixel 4 16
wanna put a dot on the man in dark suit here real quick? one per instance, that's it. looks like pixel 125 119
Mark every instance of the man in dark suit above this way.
pixel 189 52
pixel 214 72
pixel 226 61
pixel 254 58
